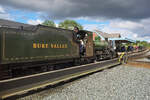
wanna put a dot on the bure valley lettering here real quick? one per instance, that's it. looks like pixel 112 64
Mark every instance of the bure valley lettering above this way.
pixel 43 45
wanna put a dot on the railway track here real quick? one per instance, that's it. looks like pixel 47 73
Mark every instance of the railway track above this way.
pixel 21 85
pixel 141 61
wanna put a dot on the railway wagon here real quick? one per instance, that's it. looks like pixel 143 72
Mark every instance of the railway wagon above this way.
pixel 26 47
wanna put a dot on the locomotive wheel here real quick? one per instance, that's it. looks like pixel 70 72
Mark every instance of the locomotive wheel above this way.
pixel 77 62
pixel 5 72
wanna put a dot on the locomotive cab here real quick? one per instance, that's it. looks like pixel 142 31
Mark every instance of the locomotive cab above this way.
pixel 85 42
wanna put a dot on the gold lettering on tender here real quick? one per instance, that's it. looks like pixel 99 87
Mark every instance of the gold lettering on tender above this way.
pixel 52 46
pixel 63 46
pixel 46 45
pixel 57 46
pixel 34 45
pixel 43 45
pixel 38 45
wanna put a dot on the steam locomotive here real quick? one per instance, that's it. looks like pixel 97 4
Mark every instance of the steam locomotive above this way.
pixel 41 48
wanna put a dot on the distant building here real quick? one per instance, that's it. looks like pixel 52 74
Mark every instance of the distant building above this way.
pixel 104 35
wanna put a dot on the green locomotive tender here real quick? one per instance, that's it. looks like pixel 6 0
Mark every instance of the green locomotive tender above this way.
pixel 27 49
pixel 43 43
pixel 30 46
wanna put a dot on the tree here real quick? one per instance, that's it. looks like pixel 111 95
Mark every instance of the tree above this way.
pixel 69 24
pixel 49 23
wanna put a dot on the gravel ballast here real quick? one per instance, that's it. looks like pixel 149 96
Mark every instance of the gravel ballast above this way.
pixel 119 83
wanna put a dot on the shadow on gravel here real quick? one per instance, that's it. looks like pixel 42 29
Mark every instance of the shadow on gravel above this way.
pixel 58 85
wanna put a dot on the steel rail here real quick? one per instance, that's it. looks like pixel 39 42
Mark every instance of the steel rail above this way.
pixel 21 85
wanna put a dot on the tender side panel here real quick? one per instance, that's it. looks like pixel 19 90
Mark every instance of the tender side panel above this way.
pixel 16 45
pixel 42 44
pixel 60 43
pixel 0 45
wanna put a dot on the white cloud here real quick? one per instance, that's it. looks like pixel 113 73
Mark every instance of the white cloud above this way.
pixel 35 22
pixel 134 30
pixel 126 24
pixel 126 33
pixel 123 32
pixel 2 9
pixel 135 35
pixel 4 14
pixel 91 27
pixel 125 9
pixel 57 24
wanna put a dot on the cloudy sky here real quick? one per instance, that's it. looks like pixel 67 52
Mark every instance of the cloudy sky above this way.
pixel 131 18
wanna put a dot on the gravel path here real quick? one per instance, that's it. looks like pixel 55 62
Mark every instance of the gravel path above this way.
pixel 120 83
